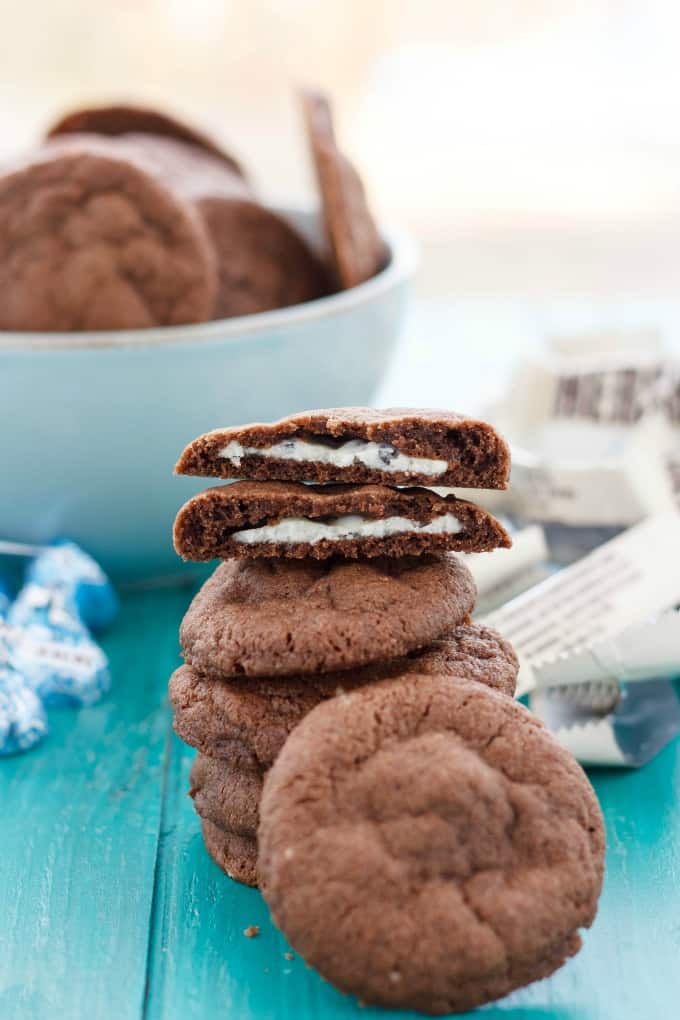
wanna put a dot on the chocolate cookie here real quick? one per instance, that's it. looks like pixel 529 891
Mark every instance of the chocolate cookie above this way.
pixel 262 261
pixel 292 520
pixel 248 720
pixel 122 119
pixel 394 446
pixel 429 845
pixel 356 248
pixel 226 795
pixel 90 240
pixel 286 617
pixel 235 855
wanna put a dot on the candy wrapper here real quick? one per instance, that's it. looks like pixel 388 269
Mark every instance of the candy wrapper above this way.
pixel 53 649
pixel 22 717
pixel 601 621
pixel 504 573
pixel 77 580
pixel 47 654
pixel 595 432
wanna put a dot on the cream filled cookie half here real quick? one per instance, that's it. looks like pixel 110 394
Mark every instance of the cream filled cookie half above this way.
pixel 289 519
pixel 394 446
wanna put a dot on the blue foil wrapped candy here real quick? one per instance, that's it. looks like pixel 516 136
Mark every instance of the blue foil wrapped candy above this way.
pixel 86 592
pixel 22 717
pixel 47 654
pixel 53 650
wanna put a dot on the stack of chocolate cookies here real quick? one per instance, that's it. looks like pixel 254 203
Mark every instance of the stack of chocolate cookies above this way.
pixel 414 801
pixel 324 587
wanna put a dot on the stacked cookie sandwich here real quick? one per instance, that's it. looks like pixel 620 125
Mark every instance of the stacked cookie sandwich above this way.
pixel 324 587
pixel 360 754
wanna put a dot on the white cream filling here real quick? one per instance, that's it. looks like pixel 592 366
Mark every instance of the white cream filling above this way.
pixel 301 529
pixel 379 456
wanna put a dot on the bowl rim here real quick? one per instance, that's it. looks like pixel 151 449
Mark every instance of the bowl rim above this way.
pixel 401 265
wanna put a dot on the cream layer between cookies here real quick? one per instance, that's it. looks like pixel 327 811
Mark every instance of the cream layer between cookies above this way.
pixel 346 526
pixel 379 456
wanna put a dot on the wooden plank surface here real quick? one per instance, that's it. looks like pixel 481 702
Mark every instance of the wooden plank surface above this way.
pixel 79 824
pixel 628 970
pixel 110 908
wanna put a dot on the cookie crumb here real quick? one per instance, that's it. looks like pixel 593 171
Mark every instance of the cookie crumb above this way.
pixel 395 977
pixel 289 956
pixel 252 931
pixel 288 853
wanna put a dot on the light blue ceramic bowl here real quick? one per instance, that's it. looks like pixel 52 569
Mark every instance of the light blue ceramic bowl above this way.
pixel 92 423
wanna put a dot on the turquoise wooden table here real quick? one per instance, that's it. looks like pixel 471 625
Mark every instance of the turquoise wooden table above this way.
pixel 110 908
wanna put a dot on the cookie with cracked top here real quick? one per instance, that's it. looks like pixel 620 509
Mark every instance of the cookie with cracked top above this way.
pixel 262 261
pixel 226 794
pixel 90 239
pixel 247 720
pixel 392 446
pixel 123 119
pixel 295 521
pixel 357 251
pixel 235 855
pixel 288 617
pixel 429 845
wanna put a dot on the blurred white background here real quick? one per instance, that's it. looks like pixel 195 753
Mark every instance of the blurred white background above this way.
pixel 533 147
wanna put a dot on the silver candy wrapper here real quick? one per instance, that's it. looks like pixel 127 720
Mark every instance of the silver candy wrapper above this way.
pixel 629 732
pixel 593 640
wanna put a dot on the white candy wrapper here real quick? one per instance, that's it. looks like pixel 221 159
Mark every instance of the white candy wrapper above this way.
pixel 601 603
pixel 586 474
pixel 504 573
pixel 595 432
pixel 646 649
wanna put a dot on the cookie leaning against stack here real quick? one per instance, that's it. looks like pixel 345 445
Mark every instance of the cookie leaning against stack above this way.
pixel 343 593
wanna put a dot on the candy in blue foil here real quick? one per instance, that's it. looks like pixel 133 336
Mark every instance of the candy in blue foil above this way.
pixel 22 717
pixel 52 649
pixel 85 589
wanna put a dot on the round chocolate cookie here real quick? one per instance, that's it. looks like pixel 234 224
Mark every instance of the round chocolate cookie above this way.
pixel 123 119
pixel 226 795
pixel 429 845
pixel 281 618
pixel 90 240
pixel 262 261
pixel 235 855
pixel 246 520
pixel 248 720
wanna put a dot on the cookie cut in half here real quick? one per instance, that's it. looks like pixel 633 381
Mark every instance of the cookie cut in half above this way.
pixel 395 446
pixel 288 617
pixel 247 720
pixel 429 845
pixel 295 521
